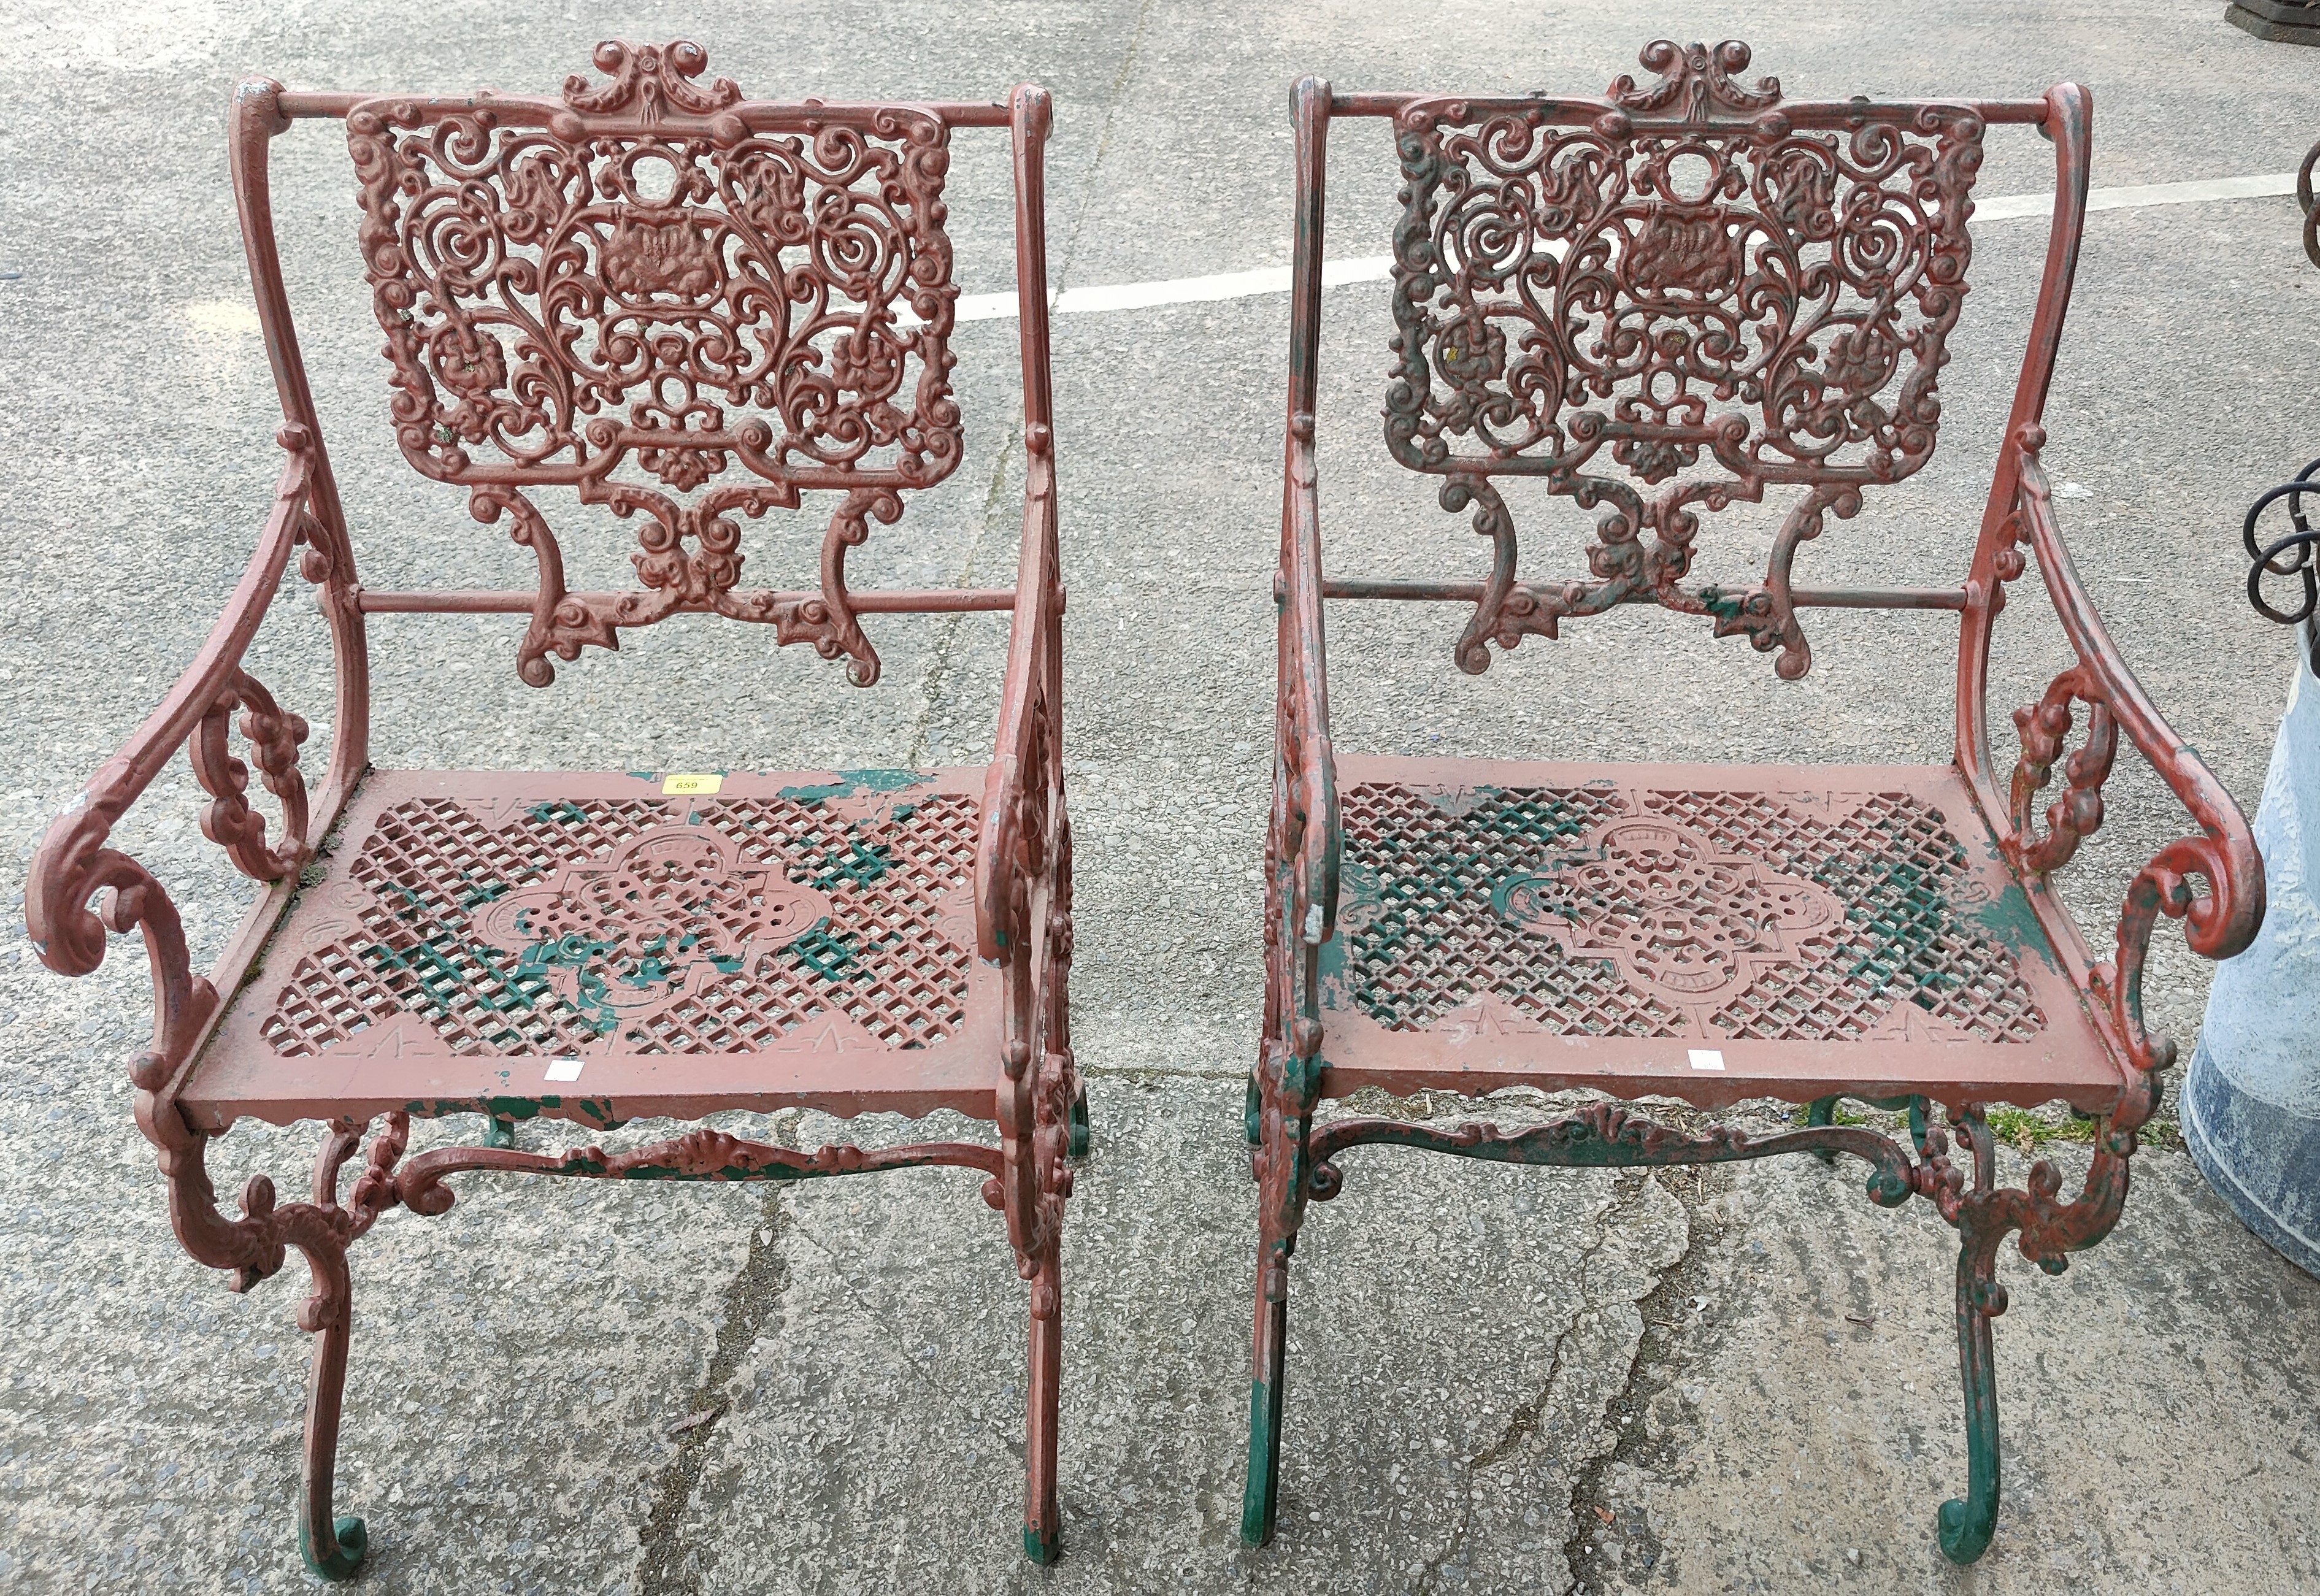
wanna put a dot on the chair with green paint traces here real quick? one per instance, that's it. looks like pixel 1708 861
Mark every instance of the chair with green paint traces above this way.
pixel 685 308
pixel 1659 303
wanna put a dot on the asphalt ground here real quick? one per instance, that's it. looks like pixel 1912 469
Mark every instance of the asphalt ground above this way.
pixel 1503 1380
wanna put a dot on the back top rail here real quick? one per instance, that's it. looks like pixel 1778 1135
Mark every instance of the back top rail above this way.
pixel 756 116
pixel 1805 114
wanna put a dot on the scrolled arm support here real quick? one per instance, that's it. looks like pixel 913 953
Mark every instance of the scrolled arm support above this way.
pixel 1305 832
pixel 1022 797
pixel 2217 923
pixel 73 862
pixel 273 737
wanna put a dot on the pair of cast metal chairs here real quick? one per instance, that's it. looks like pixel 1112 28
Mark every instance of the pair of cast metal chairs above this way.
pixel 1656 303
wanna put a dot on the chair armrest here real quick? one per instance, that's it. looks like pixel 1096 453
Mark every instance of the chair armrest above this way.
pixel 1022 800
pixel 1305 839
pixel 2223 852
pixel 73 862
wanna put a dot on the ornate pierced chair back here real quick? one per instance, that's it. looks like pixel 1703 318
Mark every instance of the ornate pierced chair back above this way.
pixel 682 303
pixel 1666 300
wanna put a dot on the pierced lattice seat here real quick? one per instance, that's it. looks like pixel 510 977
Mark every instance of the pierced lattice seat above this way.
pixel 1721 931
pixel 593 949
pixel 649 305
pixel 1654 304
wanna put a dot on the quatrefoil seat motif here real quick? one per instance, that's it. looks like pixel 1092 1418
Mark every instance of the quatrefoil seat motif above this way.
pixel 624 936
pixel 1676 916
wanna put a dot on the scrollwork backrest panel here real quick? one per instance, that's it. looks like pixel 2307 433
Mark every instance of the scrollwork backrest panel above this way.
pixel 1669 298
pixel 655 274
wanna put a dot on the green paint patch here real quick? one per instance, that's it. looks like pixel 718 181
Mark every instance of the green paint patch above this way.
pixel 481 891
pixel 858 861
pixel 2010 920
pixel 1901 914
pixel 563 811
pixel 831 958
pixel 846 784
pixel 1405 879
pixel 521 1108
pixel 1256 1501
pixel 1722 604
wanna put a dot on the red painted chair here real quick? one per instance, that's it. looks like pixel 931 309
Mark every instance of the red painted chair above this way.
pixel 772 324
pixel 1656 304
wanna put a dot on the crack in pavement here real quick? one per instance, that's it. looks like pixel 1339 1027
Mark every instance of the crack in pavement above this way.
pixel 944 1398
pixel 1644 1381
pixel 666 1566
pixel 1103 147
pixel 1523 1422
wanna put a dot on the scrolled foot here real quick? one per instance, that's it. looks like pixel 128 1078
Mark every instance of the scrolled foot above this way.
pixel 344 1558
pixel 1965 1529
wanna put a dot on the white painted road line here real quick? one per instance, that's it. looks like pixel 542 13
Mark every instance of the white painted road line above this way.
pixel 1376 268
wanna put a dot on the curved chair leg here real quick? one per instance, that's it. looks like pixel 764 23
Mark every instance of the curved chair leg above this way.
pixel 1043 1537
pixel 1281 1095
pixel 1965 1524
pixel 1268 1362
pixel 333 1547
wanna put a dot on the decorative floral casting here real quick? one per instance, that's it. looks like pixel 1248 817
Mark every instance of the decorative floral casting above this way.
pixel 1688 922
pixel 667 915
pixel 1678 275
pixel 553 318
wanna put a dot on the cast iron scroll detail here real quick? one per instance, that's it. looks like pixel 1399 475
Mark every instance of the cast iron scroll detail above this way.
pixel 2220 920
pixel 1029 923
pixel 1685 285
pixel 699 1154
pixel 273 737
pixel 2047 1229
pixel 2077 814
pixel 554 318
pixel 1607 1136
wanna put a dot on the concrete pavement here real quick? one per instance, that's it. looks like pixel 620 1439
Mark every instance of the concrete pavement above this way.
pixel 1505 1380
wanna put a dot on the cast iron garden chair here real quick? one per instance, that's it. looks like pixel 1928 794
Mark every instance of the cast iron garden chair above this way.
pixel 1657 302
pixel 607 946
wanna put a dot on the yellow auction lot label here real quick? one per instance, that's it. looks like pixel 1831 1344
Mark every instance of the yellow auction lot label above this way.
pixel 693 781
